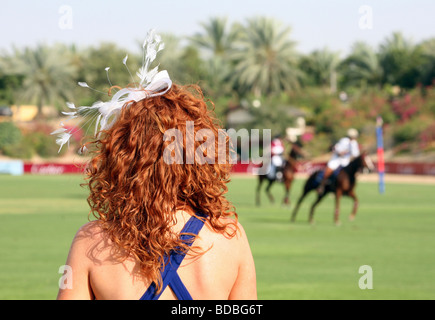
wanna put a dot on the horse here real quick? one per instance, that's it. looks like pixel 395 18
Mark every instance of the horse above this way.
pixel 342 184
pixel 288 174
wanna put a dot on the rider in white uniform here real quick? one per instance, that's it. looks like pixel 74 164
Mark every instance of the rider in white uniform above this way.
pixel 277 150
pixel 344 151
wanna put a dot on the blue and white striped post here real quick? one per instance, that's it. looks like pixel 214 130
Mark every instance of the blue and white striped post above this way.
pixel 381 164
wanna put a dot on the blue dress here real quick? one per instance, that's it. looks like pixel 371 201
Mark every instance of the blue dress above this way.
pixel 169 273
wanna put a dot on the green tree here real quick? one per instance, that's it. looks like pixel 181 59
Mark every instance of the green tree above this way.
pixel 320 67
pixel 9 85
pixel 191 66
pixel 216 42
pixel 95 60
pixel 47 74
pixel 427 68
pixel 217 37
pixel 400 61
pixel 265 58
pixel 361 67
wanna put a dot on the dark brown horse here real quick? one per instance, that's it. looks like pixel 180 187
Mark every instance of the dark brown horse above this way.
pixel 288 174
pixel 342 184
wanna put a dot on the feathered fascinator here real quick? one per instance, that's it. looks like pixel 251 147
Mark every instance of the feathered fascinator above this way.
pixel 151 83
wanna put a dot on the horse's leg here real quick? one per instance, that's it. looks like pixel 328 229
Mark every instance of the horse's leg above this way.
pixel 355 205
pixel 311 216
pixel 295 210
pixel 338 195
pixel 287 185
pixel 271 199
pixel 307 188
pixel 260 182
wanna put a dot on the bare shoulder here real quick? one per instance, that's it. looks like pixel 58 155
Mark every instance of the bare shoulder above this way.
pixel 233 241
pixel 90 229
pixel 89 233
pixel 233 229
pixel 89 242
pixel 237 253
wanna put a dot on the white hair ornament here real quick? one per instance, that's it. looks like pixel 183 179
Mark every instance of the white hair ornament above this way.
pixel 151 83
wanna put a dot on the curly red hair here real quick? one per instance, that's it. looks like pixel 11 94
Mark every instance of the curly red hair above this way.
pixel 134 192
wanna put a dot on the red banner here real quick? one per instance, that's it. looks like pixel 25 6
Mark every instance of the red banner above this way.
pixel 304 167
pixel 52 168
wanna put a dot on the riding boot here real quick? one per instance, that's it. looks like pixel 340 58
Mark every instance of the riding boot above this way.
pixel 271 175
pixel 321 188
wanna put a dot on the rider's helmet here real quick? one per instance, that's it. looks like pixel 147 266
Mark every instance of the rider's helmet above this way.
pixel 352 133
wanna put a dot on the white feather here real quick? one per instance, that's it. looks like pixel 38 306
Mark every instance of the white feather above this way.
pixel 60 130
pixel 155 83
pixel 69 113
pixel 63 138
pixel 70 105
pixel 151 74
pixel 151 54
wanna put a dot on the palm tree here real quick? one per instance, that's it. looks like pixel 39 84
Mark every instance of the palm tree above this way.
pixel 362 66
pixel 217 44
pixel 400 60
pixel 48 74
pixel 321 67
pixel 218 38
pixel 265 58
pixel 427 68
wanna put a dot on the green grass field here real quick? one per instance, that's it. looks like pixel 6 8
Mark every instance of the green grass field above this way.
pixel 394 233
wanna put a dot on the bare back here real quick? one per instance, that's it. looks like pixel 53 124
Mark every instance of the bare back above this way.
pixel 224 268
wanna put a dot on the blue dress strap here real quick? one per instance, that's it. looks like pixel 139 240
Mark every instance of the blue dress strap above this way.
pixel 169 268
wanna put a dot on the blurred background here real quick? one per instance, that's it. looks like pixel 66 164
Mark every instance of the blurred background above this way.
pixel 306 69
pixel 318 67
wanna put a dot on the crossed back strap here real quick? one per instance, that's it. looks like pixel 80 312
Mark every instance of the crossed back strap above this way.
pixel 169 268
